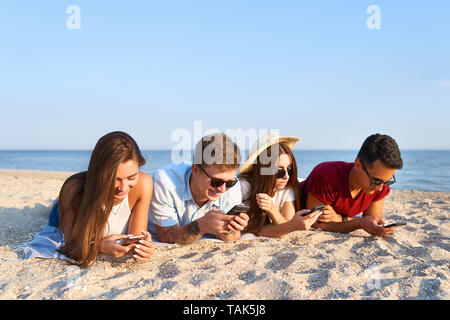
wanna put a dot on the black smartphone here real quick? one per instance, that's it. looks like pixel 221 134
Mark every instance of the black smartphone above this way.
pixel 397 224
pixel 238 209
pixel 319 207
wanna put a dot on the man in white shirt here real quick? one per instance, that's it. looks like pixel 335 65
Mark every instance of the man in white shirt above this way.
pixel 191 200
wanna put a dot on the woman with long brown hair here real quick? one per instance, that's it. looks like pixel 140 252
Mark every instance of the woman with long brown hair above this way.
pixel 98 208
pixel 270 187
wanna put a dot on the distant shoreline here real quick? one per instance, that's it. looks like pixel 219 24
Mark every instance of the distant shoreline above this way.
pixel 59 174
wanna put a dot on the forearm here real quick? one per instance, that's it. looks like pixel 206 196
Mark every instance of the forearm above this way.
pixel 277 230
pixel 339 227
pixel 276 217
pixel 232 236
pixel 182 235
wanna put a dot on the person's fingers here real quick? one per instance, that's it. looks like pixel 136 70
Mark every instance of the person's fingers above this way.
pixel 116 237
pixel 388 231
pixel 238 220
pixel 138 258
pixel 236 226
pixel 379 230
pixel 314 216
pixel 147 234
pixel 229 218
pixel 143 251
pixel 302 212
pixel 129 247
pixel 146 243
pixel 244 216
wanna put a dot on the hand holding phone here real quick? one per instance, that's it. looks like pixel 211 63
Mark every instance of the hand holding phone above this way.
pixel 319 207
pixel 134 238
pixel 397 224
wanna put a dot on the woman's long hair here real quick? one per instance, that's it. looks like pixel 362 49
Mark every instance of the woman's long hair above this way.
pixel 97 195
pixel 266 184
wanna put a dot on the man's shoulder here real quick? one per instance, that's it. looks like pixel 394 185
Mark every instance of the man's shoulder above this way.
pixel 172 179
pixel 332 169
pixel 175 172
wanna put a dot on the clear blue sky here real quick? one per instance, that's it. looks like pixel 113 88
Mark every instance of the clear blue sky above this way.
pixel 150 67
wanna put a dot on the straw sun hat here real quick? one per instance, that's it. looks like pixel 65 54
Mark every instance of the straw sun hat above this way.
pixel 262 144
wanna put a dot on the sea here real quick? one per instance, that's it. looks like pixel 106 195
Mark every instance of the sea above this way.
pixel 422 169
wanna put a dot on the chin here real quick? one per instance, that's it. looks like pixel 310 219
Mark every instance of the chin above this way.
pixel 369 191
pixel 120 197
pixel 212 196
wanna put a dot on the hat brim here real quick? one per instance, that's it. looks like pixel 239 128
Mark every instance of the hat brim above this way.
pixel 248 164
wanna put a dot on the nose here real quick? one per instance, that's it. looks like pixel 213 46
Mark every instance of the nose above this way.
pixel 380 187
pixel 123 186
pixel 222 188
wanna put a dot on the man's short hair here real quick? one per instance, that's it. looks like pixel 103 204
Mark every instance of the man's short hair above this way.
pixel 383 148
pixel 219 150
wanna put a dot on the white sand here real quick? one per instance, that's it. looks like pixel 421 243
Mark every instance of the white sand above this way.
pixel 413 263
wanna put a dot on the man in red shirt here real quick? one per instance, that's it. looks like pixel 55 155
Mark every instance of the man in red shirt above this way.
pixel 351 188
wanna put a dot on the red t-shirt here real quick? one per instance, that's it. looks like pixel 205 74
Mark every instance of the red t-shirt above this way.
pixel 328 182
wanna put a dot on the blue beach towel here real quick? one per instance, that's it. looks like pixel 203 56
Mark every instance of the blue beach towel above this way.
pixel 46 242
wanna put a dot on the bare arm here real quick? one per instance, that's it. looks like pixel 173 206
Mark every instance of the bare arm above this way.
pixel 375 209
pixel 265 202
pixel 298 222
pixel 214 222
pixel 139 198
pixel 183 235
pixel 340 227
pixel 68 207
pixel 235 227
pixel 370 222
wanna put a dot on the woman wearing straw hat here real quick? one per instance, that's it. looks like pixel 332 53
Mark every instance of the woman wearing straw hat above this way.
pixel 269 185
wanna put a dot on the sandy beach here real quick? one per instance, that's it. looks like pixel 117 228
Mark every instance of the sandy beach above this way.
pixel 413 263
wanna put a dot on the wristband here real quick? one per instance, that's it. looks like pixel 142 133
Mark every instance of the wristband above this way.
pixel 344 218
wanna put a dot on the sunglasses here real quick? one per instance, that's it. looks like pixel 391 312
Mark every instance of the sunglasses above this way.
pixel 374 182
pixel 216 183
pixel 281 172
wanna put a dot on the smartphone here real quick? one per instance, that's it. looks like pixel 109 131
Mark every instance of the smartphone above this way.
pixel 320 207
pixel 238 209
pixel 132 239
pixel 397 224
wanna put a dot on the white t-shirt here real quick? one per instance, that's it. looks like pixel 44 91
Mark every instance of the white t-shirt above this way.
pixel 279 198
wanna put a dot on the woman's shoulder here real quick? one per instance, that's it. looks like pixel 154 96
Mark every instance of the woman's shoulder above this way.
pixel 145 179
pixel 144 185
pixel 73 184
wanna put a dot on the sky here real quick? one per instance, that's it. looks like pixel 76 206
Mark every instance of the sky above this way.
pixel 329 72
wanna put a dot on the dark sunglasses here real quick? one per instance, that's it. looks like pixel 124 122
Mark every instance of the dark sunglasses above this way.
pixel 281 172
pixel 216 183
pixel 376 182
